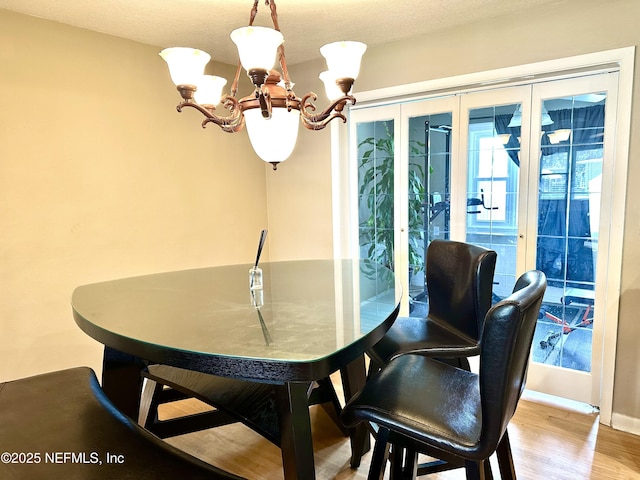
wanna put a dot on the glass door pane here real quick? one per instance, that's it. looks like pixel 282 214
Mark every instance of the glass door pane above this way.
pixel 428 197
pixel 493 156
pixel 570 179
pixel 376 179
pixel 403 177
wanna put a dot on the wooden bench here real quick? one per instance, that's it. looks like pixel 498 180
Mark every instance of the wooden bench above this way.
pixel 61 425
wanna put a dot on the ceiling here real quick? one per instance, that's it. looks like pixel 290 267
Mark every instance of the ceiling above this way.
pixel 306 24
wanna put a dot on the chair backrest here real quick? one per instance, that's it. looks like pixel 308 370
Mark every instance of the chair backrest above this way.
pixel 460 282
pixel 504 355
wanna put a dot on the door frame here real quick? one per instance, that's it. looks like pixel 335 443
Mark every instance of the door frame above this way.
pixel 621 59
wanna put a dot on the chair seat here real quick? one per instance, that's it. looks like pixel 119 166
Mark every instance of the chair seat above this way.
pixel 65 418
pixel 426 400
pixel 423 335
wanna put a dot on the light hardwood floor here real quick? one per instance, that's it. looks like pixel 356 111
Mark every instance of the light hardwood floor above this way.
pixel 548 443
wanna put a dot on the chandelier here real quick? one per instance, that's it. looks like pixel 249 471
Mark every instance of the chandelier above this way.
pixel 273 112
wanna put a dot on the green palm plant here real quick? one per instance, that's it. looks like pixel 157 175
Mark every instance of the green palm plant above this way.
pixel 377 186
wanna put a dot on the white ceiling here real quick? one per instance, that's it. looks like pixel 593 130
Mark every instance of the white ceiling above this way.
pixel 306 24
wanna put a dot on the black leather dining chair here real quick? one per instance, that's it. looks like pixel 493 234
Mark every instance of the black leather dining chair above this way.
pixel 450 413
pixel 459 281
pixel 62 425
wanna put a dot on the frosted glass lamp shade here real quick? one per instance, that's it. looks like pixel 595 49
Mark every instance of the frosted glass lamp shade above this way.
pixel 343 58
pixel 546 119
pixel 563 134
pixel 257 46
pixel 558 136
pixel 504 138
pixel 209 89
pixel 516 119
pixel 273 139
pixel 186 65
pixel 331 88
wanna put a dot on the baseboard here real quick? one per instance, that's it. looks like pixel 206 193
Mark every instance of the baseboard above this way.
pixel 558 402
pixel 625 423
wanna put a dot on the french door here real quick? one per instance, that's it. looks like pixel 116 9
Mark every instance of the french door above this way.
pixel 568 233
pixel 526 171
pixel 404 162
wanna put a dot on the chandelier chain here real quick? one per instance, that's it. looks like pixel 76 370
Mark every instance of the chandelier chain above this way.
pixel 254 12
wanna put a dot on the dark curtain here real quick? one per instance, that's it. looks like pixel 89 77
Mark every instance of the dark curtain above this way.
pixel 558 218
pixel 586 124
pixel 513 145
pixel 572 261
pixel 582 121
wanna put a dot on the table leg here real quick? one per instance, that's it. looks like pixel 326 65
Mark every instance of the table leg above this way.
pixel 295 431
pixel 354 376
pixel 121 380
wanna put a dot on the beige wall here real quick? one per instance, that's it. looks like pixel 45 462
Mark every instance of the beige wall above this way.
pixel 299 198
pixel 570 27
pixel 101 178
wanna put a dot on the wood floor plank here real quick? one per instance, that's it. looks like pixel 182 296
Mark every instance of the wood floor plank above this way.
pixel 548 443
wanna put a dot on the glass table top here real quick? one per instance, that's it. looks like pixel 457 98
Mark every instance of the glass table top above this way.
pixel 306 310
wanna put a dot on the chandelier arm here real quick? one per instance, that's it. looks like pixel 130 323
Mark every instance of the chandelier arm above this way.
pixel 337 105
pixel 264 99
pixel 319 125
pixel 231 123
pixel 306 107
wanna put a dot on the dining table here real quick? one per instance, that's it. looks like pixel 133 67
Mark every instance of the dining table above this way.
pixel 309 319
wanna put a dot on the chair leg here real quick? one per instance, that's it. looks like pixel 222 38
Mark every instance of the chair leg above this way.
pixel 380 455
pixel 486 466
pixel 396 462
pixel 505 458
pixel 475 470
pixel 410 470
